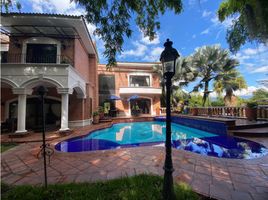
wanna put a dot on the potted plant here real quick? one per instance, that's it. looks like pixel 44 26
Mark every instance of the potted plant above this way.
pixel 251 110
pixel 101 112
pixel 96 117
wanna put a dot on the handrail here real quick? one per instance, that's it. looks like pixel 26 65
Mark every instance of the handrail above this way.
pixel 22 58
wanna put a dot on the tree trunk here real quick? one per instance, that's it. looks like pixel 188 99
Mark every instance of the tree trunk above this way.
pixel 205 93
pixel 230 99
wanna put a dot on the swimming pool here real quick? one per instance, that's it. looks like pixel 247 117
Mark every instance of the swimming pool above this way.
pixel 124 135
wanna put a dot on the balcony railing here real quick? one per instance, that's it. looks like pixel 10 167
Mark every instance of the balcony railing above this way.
pixel 22 58
pixel 237 112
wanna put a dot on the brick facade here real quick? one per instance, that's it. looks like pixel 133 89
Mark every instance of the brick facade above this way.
pixel 121 73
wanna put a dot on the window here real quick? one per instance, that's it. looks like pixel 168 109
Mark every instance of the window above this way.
pixel 41 53
pixel 106 87
pixel 139 81
pixel 3 56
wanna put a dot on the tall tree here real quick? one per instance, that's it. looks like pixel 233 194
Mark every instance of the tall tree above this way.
pixel 209 62
pixel 229 80
pixel 185 73
pixel 8 4
pixel 250 21
pixel 260 95
pixel 112 19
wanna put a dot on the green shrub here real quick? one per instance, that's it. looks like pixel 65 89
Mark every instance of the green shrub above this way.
pixel 252 104
pixel 95 113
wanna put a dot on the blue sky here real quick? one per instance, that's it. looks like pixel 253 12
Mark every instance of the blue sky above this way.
pixel 196 26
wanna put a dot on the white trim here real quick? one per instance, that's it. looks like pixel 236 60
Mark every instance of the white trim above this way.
pixel 9 82
pixel 139 90
pixel 65 90
pixel 40 40
pixel 136 64
pixel 139 74
pixel 80 123
pixel 31 83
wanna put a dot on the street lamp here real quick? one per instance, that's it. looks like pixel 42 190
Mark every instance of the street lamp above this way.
pixel 41 90
pixel 168 58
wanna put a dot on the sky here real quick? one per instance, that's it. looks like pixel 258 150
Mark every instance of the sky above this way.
pixel 195 27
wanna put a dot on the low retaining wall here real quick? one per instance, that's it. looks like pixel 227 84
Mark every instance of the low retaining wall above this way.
pixel 212 126
pixel 132 119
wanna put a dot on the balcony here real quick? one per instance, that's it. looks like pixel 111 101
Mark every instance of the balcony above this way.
pixel 22 58
pixel 20 75
pixel 139 90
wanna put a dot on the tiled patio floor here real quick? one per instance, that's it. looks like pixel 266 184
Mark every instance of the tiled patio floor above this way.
pixel 218 178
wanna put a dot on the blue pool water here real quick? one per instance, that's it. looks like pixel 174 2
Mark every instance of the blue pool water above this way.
pixel 136 134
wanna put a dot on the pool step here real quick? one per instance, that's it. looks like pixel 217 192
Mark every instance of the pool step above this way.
pixel 250 125
pixel 252 132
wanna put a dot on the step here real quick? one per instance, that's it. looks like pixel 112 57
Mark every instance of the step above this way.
pixel 251 125
pixel 252 132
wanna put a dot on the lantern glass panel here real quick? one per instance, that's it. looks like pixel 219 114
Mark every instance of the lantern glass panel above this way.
pixel 169 66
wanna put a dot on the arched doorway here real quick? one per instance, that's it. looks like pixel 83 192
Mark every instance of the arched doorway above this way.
pixel 142 104
pixel 52 109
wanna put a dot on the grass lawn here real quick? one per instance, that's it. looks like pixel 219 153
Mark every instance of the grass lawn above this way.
pixel 141 187
pixel 7 146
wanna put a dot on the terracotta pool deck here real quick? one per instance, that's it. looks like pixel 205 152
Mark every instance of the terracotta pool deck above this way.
pixel 214 177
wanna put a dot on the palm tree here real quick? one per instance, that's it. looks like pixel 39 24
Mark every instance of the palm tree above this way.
pixel 184 74
pixel 209 62
pixel 158 69
pixel 229 80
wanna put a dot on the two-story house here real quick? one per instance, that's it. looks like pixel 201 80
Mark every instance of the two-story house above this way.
pixel 134 85
pixel 55 51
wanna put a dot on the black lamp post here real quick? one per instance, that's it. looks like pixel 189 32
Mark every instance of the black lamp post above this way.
pixel 42 91
pixel 168 58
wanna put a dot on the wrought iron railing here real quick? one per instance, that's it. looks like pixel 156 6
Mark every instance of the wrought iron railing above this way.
pixel 23 58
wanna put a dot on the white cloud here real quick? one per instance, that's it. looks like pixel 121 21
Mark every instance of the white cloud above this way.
pixel 262 69
pixel 196 2
pixel 249 91
pixel 91 28
pixel 147 41
pixel 206 13
pixel 225 24
pixel 252 51
pixel 139 50
pixel 58 6
pixel 253 60
pixel 204 32
pixel 154 54
pixel 243 92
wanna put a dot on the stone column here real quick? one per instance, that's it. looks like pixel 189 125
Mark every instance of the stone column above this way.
pixel 21 118
pixel 64 107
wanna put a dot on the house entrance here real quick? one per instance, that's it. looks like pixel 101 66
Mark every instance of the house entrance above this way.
pixel 34 113
pixel 140 106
